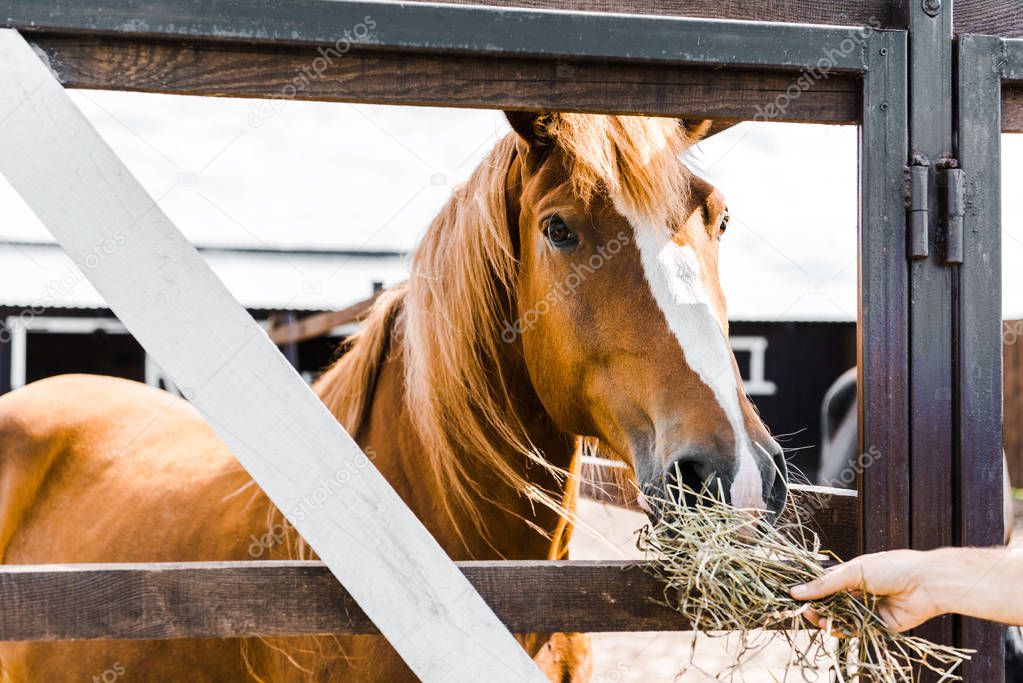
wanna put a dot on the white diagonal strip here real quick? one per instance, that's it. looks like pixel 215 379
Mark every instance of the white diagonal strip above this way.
pixel 166 295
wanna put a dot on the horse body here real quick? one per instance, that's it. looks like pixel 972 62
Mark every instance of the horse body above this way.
pixel 468 389
pixel 136 475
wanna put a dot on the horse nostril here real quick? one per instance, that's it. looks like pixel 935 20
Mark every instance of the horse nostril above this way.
pixel 689 476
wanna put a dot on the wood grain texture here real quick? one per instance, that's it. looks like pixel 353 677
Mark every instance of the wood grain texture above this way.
pixel 236 599
pixel 319 324
pixel 730 95
pixel 991 17
pixel 830 513
pixel 171 301
pixel 450 81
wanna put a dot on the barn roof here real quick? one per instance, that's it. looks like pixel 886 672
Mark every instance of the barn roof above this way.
pixel 40 274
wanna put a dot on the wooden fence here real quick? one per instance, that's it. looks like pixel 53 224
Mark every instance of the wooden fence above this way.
pixel 926 313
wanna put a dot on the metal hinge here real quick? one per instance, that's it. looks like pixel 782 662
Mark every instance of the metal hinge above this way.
pixel 951 180
pixel 919 236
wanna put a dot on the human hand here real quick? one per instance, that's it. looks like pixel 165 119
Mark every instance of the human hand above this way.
pixel 899 577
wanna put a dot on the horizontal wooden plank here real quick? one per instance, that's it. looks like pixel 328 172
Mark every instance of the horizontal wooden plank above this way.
pixel 989 17
pixel 320 324
pixel 160 601
pixel 280 74
pixel 238 599
pixel 830 513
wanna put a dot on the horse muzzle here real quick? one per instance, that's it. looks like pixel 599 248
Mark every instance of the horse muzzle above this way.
pixel 759 485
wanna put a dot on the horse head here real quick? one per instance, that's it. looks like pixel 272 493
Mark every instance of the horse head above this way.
pixel 620 311
pixel 601 278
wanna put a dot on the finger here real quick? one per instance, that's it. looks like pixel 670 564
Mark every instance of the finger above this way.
pixel 843 577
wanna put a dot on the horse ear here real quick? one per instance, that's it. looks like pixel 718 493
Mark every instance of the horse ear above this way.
pixel 528 126
pixel 697 129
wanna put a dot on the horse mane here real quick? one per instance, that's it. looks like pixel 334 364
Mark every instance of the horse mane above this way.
pixel 461 291
pixel 347 385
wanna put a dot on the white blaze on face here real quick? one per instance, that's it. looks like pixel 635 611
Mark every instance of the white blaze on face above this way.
pixel 674 275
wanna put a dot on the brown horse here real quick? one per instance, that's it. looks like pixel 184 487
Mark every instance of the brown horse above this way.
pixel 569 289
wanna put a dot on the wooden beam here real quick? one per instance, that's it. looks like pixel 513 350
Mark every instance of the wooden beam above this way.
pixel 989 17
pixel 246 599
pixel 389 77
pixel 320 324
pixel 173 304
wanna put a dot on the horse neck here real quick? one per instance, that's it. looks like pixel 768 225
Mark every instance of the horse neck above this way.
pixel 388 434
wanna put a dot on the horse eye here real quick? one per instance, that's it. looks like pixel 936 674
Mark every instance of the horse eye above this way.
pixel 723 225
pixel 559 234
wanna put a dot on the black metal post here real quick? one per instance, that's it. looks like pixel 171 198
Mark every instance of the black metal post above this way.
pixel 978 329
pixel 882 351
pixel 932 507
pixel 5 360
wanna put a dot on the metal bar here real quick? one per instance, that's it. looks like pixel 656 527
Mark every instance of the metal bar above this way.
pixel 5 359
pixel 929 26
pixel 1012 56
pixel 882 352
pixel 461 29
pixel 954 209
pixel 919 208
pixel 979 330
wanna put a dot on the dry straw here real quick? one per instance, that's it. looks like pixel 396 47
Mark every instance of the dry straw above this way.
pixel 728 570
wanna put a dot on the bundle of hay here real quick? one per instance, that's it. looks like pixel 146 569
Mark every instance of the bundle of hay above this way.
pixel 728 570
